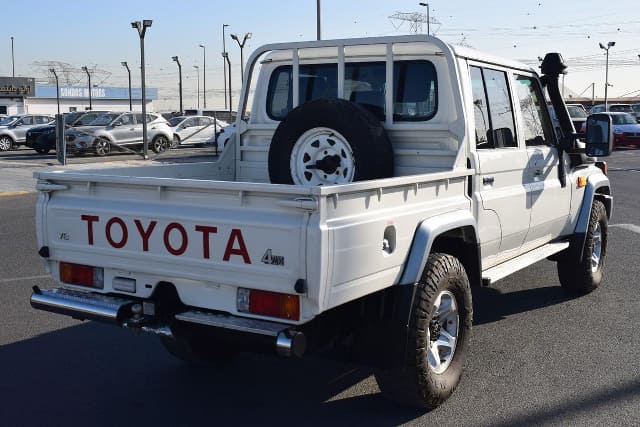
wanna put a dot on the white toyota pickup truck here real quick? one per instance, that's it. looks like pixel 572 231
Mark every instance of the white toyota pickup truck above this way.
pixel 375 182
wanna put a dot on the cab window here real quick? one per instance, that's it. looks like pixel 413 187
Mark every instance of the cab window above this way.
pixel 536 127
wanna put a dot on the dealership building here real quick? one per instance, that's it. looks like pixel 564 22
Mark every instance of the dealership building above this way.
pixel 21 95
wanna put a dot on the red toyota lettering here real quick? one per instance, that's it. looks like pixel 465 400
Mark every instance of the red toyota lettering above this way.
pixel 206 230
pixel 236 235
pixel 185 240
pixel 123 228
pixel 145 234
pixel 90 220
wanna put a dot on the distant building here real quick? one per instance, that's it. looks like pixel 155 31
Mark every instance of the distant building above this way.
pixel 22 95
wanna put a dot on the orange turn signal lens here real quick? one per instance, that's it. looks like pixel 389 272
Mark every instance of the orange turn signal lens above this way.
pixel 266 303
pixel 582 181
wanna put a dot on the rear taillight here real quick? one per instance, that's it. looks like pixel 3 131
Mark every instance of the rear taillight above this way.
pixel 82 275
pixel 266 303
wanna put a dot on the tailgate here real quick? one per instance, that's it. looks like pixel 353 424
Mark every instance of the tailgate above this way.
pixel 207 241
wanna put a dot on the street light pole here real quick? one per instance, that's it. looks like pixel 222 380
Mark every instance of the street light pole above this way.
pixel 606 73
pixel 125 65
pixel 142 29
pixel 198 72
pixel 244 40
pixel 13 62
pixel 57 88
pixel 428 17
pixel 318 20
pixel 225 55
pixel 224 65
pixel 204 75
pixel 86 70
pixel 175 58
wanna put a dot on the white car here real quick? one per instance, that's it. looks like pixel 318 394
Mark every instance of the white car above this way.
pixel 195 130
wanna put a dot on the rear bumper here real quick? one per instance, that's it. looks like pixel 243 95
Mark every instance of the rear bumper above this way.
pixel 140 315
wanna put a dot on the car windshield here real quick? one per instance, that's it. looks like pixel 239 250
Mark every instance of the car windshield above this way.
pixel 8 120
pixel 174 121
pixel 103 120
pixel 623 119
pixel 576 112
pixel 636 108
pixel 620 108
pixel 70 118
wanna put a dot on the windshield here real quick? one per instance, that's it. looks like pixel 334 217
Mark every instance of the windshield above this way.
pixel 174 121
pixel 623 119
pixel 621 108
pixel 576 112
pixel 103 120
pixel 70 118
pixel 636 108
pixel 8 120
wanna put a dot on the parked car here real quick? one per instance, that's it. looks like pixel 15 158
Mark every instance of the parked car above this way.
pixel 195 130
pixel 626 130
pixel 577 114
pixel 43 138
pixel 636 109
pixel 13 129
pixel 117 130
pixel 615 108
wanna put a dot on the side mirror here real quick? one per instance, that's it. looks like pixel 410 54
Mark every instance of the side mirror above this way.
pixel 599 137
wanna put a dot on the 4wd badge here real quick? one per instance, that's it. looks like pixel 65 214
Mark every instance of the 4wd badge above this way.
pixel 270 258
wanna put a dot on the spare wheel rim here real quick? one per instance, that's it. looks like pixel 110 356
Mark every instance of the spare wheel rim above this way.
pixel 322 156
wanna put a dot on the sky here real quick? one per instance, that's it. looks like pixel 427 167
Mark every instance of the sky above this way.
pixel 98 35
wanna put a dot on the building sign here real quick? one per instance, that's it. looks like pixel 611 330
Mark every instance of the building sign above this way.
pixel 82 92
pixel 11 87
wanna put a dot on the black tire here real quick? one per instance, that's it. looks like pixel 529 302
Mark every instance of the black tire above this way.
pixel 103 147
pixel 160 144
pixel 367 154
pixel 586 275
pixel 198 351
pixel 418 383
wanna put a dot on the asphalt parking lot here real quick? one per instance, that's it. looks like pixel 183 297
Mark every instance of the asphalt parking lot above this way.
pixel 538 356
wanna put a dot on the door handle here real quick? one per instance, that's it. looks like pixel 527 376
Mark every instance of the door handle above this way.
pixel 487 180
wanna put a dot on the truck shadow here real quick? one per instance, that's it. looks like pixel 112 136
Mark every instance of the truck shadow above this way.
pixel 93 374
pixel 491 305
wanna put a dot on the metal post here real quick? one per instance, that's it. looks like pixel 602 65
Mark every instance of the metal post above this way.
pixel 57 88
pixel 606 73
pixel 428 17
pixel 204 75
pixel 241 44
pixel 224 64
pixel 318 20
pixel 142 29
pixel 175 58
pixel 124 64
pixel 226 57
pixel 13 62
pixel 198 73
pixel 86 70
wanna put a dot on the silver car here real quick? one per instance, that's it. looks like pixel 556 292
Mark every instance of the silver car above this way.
pixel 114 130
pixel 13 129
pixel 195 130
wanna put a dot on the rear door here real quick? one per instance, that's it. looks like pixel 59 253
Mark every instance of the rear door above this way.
pixel 22 126
pixel 550 202
pixel 499 189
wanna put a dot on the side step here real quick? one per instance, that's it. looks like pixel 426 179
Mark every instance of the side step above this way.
pixel 503 270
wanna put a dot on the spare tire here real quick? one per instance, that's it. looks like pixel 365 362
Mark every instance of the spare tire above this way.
pixel 329 141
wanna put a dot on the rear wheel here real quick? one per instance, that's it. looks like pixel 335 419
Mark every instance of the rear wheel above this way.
pixel 439 331
pixel 585 275
pixel 6 143
pixel 160 144
pixel 103 147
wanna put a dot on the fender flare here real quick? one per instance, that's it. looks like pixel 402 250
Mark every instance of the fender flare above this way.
pixel 424 237
pixel 598 187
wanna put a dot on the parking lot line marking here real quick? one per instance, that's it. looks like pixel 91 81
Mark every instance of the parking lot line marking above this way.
pixel 17 279
pixel 630 227
pixel 14 193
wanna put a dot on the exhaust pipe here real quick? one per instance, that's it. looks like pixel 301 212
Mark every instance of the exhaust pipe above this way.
pixel 80 305
pixel 291 343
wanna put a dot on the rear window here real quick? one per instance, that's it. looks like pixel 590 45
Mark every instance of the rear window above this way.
pixel 414 82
